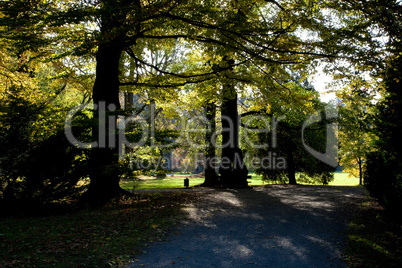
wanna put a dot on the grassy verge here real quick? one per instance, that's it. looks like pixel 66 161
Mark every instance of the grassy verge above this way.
pixel 374 240
pixel 177 181
pixel 106 237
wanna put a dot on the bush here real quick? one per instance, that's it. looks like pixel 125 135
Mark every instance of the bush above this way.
pixel 383 176
pixel 383 180
pixel 37 163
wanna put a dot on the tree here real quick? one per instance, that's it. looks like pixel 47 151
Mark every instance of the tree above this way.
pixel 371 36
pixel 284 139
pixel 210 151
pixel 355 136
pixel 362 34
pixel 384 167
pixel 262 34
pixel 37 163
pixel 217 45
pixel 38 88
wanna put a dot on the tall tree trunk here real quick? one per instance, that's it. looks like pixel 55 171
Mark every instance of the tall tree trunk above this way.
pixel 360 171
pixel 232 169
pixel 128 100
pixel 291 170
pixel 211 178
pixel 103 163
pixel 128 105
pixel 104 158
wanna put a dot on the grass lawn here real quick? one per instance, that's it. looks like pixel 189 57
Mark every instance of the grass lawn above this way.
pixel 177 181
pixel 106 237
pixel 343 179
pixel 110 236
pixel 373 239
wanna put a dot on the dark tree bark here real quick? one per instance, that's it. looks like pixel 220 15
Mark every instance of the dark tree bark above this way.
pixel 292 177
pixel 128 100
pixel 103 163
pixel 360 171
pixel 232 169
pixel 128 106
pixel 211 178
pixel 104 175
pixel 291 168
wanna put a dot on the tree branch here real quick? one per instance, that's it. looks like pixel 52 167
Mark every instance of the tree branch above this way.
pixel 131 54
pixel 276 3
pixel 172 85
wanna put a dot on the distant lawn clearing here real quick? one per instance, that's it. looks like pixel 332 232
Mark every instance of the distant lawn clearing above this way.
pixel 343 179
pixel 177 181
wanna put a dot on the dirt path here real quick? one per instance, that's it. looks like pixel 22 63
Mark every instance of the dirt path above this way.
pixel 275 226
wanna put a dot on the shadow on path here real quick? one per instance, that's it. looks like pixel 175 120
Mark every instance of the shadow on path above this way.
pixel 274 226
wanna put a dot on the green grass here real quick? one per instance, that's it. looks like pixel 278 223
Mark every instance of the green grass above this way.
pixel 106 237
pixel 177 181
pixel 373 239
pixel 343 179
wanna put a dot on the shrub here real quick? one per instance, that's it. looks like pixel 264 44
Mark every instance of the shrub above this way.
pixel 383 180
pixel 37 163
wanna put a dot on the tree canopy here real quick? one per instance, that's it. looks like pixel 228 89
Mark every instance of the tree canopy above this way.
pixel 197 54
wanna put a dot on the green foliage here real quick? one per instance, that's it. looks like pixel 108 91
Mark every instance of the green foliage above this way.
pixel 355 136
pixel 159 48
pixel 290 148
pixel 235 42
pixel 363 32
pixel 383 180
pixel 37 164
pixel 384 168
pixel 292 112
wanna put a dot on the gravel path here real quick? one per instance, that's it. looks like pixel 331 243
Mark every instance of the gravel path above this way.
pixel 275 226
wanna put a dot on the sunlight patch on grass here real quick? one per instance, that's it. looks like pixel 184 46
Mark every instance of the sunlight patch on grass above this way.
pixel 343 179
pixel 177 181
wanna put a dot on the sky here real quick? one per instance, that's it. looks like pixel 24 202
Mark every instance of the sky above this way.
pixel 320 82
